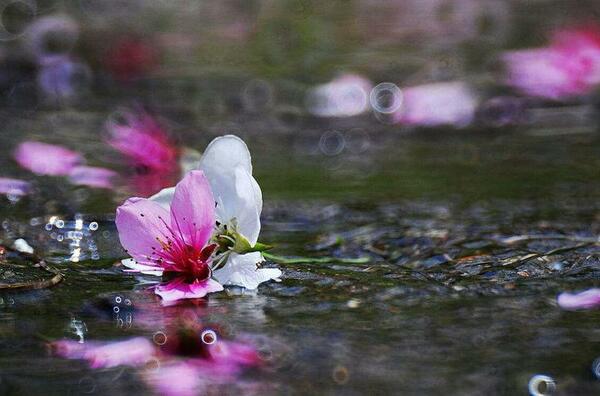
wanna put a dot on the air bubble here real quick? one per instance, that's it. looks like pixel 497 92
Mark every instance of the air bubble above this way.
pixel 596 368
pixel 118 299
pixel 541 385
pixel 59 223
pixel 159 338
pixel 332 143
pixel 386 98
pixel 93 226
pixel 116 309
pixel 208 337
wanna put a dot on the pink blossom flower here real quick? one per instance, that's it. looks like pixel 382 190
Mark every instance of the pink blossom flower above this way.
pixel 173 241
pixel 92 176
pixel 227 164
pixel 14 187
pixel 46 159
pixel 569 66
pixel 148 149
pixel 447 103
pixel 583 300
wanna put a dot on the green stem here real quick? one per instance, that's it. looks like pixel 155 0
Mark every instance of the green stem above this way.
pixel 314 260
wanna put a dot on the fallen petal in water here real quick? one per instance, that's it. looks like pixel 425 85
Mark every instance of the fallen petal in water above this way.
pixel 92 176
pixel 14 187
pixel 134 352
pixel 583 300
pixel 46 159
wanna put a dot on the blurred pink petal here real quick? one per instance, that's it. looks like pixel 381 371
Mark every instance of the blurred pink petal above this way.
pixel 14 186
pixel 547 73
pixel 226 362
pixel 583 300
pixel 148 149
pixel 178 379
pixel 569 66
pixel 133 352
pixel 345 96
pixel 447 103
pixel 46 159
pixel 92 176
pixel 143 141
pixel 179 288
pixel 583 46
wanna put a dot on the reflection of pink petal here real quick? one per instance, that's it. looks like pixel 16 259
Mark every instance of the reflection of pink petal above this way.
pixel 133 352
pixel 46 159
pixel 92 176
pixel 14 186
pixel 583 300
pixel 228 359
pixel 179 379
pixel 228 352
pixel 448 103
pixel 178 289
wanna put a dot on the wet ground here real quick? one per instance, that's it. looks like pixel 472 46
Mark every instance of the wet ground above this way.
pixel 465 238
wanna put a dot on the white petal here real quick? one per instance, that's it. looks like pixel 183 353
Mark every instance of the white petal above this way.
pixel 22 246
pixel 241 270
pixel 164 197
pixel 144 269
pixel 224 154
pixel 248 204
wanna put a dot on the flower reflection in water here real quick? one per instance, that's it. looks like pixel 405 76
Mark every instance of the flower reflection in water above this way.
pixel 189 357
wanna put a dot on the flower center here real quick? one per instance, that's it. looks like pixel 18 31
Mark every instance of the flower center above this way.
pixel 191 262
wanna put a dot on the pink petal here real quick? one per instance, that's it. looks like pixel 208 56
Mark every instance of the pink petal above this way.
pixel 133 352
pixel 69 349
pixel 179 379
pixel 144 142
pixel 193 209
pixel 139 223
pixel 584 300
pixel 14 186
pixel 46 159
pixel 178 289
pixel 92 176
pixel 447 103
pixel 235 353
pixel 545 72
